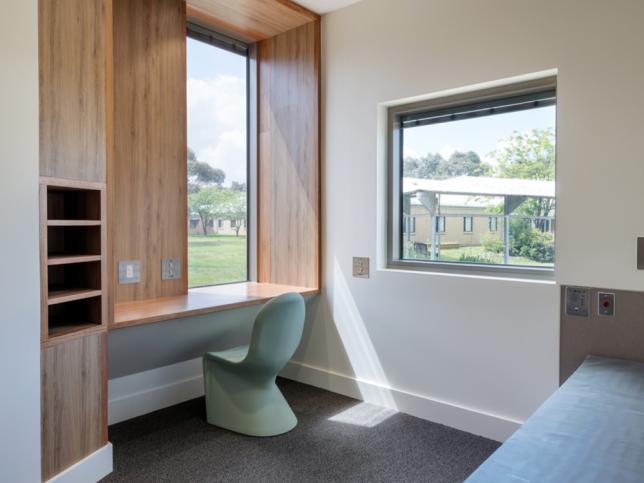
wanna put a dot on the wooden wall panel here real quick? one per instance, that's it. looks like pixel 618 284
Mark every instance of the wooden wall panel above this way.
pixel 251 20
pixel 147 178
pixel 288 158
pixel 74 401
pixel 73 58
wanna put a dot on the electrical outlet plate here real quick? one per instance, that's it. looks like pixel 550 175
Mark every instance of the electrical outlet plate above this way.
pixel 577 301
pixel 361 267
pixel 606 304
pixel 129 271
pixel 170 269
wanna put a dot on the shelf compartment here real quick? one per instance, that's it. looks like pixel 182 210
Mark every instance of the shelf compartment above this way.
pixel 66 283
pixel 73 240
pixel 68 203
pixel 60 296
pixel 69 259
pixel 74 223
pixel 75 316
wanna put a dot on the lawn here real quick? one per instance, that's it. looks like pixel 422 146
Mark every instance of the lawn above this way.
pixel 216 259
pixel 454 255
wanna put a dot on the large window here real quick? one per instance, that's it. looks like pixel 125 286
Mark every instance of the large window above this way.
pixel 477 174
pixel 217 73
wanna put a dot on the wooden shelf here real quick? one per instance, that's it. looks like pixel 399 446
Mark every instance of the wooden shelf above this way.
pixel 200 301
pixel 72 245
pixel 69 329
pixel 74 222
pixel 60 296
pixel 67 259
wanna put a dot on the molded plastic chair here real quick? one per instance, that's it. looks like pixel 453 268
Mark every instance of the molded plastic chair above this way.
pixel 241 394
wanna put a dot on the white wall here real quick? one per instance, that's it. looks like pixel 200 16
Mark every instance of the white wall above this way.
pixel 487 345
pixel 19 276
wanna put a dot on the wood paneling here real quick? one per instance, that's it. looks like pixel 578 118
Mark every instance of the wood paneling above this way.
pixel 199 302
pixel 620 336
pixel 73 58
pixel 74 401
pixel 251 20
pixel 147 175
pixel 288 158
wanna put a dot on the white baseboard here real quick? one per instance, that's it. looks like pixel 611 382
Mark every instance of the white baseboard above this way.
pixel 141 393
pixel 467 419
pixel 90 469
pixel 144 392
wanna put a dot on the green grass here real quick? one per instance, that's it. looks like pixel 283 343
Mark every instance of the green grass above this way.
pixel 216 259
pixel 454 255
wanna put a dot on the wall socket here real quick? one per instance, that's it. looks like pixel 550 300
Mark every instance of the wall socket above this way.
pixel 130 271
pixel 170 269
pixel 361 267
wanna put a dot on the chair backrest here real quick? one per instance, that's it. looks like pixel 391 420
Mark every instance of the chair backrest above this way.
pixel 277 331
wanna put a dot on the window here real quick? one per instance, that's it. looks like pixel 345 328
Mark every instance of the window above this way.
pixel 217 90
pixel 488 154
pixel 440 224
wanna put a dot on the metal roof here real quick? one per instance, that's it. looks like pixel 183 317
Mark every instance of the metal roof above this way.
pixel 481 185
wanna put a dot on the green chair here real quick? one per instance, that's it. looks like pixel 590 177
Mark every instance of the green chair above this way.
pixel 241 394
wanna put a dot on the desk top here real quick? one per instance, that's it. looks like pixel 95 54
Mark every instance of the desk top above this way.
pixel 200 301
pixel 591 429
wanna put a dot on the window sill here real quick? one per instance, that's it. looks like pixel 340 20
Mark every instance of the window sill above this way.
pixel 200 301
pixel 482 272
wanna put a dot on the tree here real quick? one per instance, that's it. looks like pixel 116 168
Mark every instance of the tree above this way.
pixel 231 206
pixel 434 166
pixel 236 186
pixel 529 156
pixel 463 164
pixel 204 203
pixel 202 174
pixel 425 167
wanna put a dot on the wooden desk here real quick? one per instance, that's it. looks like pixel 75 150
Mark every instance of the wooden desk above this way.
pixel 200 301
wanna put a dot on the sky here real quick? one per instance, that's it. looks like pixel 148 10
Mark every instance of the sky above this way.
pixel 480 134
pixel 217 108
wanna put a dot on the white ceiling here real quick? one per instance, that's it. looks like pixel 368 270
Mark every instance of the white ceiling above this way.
pixel 325 6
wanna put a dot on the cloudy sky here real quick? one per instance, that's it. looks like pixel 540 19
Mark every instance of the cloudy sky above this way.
pixel 480 134
pixel 217 108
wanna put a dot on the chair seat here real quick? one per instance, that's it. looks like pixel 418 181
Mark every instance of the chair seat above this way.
pixel 234 355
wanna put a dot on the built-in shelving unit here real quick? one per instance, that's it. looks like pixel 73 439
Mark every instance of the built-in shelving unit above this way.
pixel 73 247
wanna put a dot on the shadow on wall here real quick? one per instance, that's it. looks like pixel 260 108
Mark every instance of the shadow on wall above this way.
pixel 335 317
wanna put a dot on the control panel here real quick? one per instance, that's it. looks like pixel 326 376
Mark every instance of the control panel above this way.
pixel 577 301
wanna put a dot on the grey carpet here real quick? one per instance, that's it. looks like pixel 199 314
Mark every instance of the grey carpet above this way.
pixel 177 445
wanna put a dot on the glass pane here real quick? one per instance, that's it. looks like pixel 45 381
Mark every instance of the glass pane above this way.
pixel 481 190
pixel 217 165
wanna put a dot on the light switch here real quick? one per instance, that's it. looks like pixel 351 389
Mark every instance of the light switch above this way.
pixel 606 304
pixel 130 271
pixel 361 267
pixel 170 269
pixel 577 301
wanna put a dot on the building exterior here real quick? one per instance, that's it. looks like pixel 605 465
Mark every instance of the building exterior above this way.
pixel 462 221
pixel 466 211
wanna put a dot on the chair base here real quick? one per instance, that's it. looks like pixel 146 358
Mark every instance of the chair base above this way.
pixel 244 405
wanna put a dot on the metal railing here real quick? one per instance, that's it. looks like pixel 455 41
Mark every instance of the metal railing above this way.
pixel 436 228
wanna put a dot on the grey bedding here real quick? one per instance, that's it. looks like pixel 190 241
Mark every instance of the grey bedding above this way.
pixel 590 430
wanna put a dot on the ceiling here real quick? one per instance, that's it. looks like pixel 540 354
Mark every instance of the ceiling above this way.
pixel 325 6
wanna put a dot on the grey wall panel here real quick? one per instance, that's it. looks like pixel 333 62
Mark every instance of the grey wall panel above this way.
pixel 620 336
